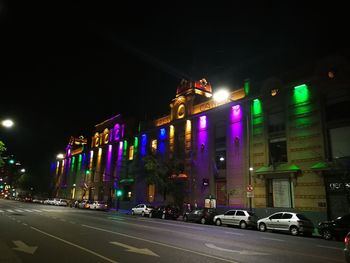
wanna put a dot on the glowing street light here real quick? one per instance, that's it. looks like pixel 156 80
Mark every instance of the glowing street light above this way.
pixel 60 156
pixel 221 95
pixel 7 123
pixel 23 170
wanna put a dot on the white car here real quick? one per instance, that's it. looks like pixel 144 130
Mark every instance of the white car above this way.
pixel 287 221
pixel 99 205
pixel 142 209
pixel 241 218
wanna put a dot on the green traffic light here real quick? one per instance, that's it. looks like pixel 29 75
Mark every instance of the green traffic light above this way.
pixel 12 161
pixel 119 193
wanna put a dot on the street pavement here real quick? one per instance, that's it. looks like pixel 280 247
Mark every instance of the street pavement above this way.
pixel 39 233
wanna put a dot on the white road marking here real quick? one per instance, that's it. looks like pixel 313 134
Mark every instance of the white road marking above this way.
pixel 37 210
pixel 161 244
pixel 19 210
pixel 24 224
pixel 75 245
pixel 241 252
pixel 143 251
pixel 27 210
pixel 9 210
pixel 233 233
pixel 273 239
pixel 23 247
pixel 1 211
pixel 336 248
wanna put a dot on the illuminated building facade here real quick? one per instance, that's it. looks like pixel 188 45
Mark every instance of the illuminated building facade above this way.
pixel 276 145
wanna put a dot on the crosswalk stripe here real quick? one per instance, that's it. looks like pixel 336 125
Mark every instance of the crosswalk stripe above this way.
pixel 37 210
pixel 1 211
pixel 27 210
pixel 19 210
pixel 9 210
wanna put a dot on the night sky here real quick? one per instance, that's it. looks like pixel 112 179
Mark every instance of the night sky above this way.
pixel 65 67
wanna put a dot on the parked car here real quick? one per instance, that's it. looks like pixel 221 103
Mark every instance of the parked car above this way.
pixel 165 212
pixel 99 205
pixel 347 248
pixel 337 228
pixel 294 223
pixel 61 202
pixel 241 218
pixel 142 209
pixel 82 204
pixel 202 215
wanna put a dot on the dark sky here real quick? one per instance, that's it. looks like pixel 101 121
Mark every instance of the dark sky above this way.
pixel 66 67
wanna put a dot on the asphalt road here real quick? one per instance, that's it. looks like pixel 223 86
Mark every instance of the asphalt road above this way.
pixel 39 233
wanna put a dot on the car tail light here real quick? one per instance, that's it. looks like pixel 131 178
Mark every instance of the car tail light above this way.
pixel 346 240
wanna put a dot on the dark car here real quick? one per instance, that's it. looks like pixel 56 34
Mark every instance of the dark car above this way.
pixel 166 212
pixel 347 247
pixel 337 228
pixel 202 215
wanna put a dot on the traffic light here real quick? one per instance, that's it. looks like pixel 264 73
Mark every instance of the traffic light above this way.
pixel 119 193
pixel 11 161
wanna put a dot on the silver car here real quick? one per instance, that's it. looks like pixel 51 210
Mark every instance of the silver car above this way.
pixel 286 221
pixel 142 209
pixel 241 218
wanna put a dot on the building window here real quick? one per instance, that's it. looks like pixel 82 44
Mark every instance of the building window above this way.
pixel 154 146
pixel 279 193
pixel 151 192
pixel 278 151
pixel 131 152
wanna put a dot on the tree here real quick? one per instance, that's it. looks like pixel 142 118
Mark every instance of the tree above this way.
pixel 2 149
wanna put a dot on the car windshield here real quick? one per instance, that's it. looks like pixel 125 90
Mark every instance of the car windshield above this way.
pixel 302 217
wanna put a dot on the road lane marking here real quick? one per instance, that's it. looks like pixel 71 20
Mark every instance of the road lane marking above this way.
pixel 273 239
pixel 24 224
pixel 336 248
pixel 159 243
pixel 37 210
pixel 9 210
pixel 143 251
pixel 241 252
pixel 233 233
pixel 19 210
pixel 27 210
pixel 75 245
pixel 23 247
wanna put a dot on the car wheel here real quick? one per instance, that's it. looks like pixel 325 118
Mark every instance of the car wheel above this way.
pixel 203 221
pixel 243 225
pixel 326 234
pixel 143 213
pixel 218 222
pixel 185 218
pixel 294 230
pixel 262 227
pixel 163 216
pixel 132 212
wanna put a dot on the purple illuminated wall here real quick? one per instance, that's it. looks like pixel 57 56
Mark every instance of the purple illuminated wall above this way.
pixel 119 163
pixel 235 154
pixel 107 174
pixel 202 161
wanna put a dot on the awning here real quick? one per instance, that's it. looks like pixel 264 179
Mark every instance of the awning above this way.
pixel 320 166
pixel 280 168
pixel 126 181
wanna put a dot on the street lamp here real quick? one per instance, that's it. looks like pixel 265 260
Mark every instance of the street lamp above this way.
pixel 7 123
pixel 221 95
pixel 23 170
pixel 60 156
